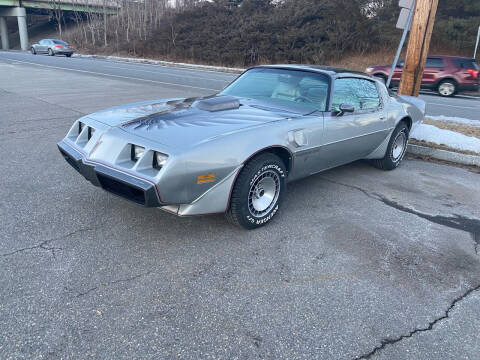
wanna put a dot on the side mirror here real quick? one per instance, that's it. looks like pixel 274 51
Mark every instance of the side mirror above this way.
pixel 345 108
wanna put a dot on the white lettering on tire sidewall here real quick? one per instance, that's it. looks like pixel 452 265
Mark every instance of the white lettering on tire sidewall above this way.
pixel 268 167
pixel 274 211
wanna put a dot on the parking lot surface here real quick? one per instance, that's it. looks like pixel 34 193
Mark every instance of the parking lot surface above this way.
pixel 359 264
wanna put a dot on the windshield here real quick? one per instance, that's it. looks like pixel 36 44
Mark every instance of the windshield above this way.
pixel 302 90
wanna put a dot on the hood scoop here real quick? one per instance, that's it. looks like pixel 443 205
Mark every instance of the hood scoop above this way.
pixel 218 103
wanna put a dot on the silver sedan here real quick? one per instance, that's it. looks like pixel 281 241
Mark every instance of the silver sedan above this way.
pixel 52 47
pixel 234 152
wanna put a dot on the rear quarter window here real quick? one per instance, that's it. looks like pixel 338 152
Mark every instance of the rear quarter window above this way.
pixel 466 64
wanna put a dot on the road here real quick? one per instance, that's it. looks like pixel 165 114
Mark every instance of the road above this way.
pixel 460 106
pixel 360 264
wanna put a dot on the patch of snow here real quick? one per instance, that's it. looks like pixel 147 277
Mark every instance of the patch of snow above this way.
pixel 161 62
pixel 453 119
pixel 448 138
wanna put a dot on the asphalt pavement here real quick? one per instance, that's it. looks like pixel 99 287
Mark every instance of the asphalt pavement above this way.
pixel 460 106
pixel 359 264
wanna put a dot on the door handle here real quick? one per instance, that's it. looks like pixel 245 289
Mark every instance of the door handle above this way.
pixel 383 118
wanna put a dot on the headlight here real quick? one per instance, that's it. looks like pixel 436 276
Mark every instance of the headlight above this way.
pixel 159 160
pixel 137 152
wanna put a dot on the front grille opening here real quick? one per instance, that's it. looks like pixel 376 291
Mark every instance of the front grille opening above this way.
pixel 118 188
pixel 70 160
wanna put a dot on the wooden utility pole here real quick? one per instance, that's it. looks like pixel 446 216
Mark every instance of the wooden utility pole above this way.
pixel 418 45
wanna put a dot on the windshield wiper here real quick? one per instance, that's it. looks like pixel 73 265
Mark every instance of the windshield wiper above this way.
pixel 261 107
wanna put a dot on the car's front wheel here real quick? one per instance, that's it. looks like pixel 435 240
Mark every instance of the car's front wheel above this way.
pixel 397 147
pixel 258 192
pixel 32 49
pixel 50 52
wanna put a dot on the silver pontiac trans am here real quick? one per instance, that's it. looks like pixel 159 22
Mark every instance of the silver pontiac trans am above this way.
pixel 234 152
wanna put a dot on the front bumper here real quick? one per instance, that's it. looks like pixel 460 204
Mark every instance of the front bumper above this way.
pixel 116 182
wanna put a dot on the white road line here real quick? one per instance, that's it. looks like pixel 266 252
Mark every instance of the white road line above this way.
pixel 111 75
pixel 183 68
pixel 165 74
pixel 455 106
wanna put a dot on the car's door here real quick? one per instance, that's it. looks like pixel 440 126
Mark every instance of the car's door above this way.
pixel 50 44
pixel 44 46
pixel 433 67
pixel 352 136
pixel 39 46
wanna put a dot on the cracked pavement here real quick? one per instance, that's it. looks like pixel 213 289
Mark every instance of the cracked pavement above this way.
pixel 360 264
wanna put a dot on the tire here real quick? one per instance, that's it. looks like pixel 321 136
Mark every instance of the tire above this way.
pixel 68 55
pixel 33 51
pixel 447 88
pixel 50 52
pixel 258 192
pixel 396 149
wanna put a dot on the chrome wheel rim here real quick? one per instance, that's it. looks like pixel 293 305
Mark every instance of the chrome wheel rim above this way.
pixel 446 89
pixel 264 193
pixel 399 145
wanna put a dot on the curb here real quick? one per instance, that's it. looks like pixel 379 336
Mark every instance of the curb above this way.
pixel 164 63
pixel 464 159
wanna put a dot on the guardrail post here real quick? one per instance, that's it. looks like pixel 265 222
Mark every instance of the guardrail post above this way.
pixel 4 33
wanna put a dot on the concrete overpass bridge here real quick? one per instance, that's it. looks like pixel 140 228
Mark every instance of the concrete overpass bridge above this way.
pixel 20 9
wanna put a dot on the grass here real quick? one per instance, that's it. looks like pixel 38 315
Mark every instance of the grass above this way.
pixel 460 128
pixel 361 61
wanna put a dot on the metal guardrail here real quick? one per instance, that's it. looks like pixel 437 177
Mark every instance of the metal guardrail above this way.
pixel 109 6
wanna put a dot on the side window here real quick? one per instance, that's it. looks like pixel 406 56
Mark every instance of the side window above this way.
pixel 360 93
pixel 435 62
pixel 314 90
pixel 42 42
pixel 344 94
pixel 368 95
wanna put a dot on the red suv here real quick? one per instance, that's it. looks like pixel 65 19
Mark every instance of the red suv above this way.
pixel 445 74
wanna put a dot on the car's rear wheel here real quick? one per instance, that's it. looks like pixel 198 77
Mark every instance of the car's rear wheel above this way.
pixel 68 55
pixel 33 51
pixel 50 52
pixel 397 147
pixel 258 192
pixel 447 88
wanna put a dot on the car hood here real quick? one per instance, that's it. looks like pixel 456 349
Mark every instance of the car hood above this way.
pixel 187 122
